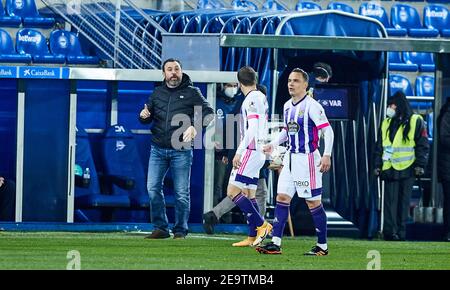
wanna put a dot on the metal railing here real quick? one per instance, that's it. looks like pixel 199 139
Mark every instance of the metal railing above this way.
pixel 123 32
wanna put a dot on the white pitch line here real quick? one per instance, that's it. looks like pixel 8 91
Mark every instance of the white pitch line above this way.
pixel 191 236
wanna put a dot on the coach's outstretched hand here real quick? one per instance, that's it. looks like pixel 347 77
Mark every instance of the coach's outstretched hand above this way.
pixel 325 163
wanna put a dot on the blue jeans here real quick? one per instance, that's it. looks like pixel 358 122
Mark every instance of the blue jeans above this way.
pixel 179 162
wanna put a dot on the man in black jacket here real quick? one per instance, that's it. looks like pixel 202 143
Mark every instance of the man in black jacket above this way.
pixel 172 108
pixel 401 153
pixel 443 125
pixel 7 199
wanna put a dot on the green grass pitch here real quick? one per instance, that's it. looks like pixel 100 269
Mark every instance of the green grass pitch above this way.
pixel 49 250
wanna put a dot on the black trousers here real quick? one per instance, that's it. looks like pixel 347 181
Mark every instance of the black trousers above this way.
pixel 446 188
pixel 397 195
pixel 8 201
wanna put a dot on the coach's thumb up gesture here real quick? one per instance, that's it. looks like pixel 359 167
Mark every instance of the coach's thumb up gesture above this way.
pixel 325 163
pixel 145 113
pixel 189 134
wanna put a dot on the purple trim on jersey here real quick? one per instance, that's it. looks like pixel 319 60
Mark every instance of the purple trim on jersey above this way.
pixel 316 192
pixel 301 135
pixel 315 141
pixel 313 134
pixel 246 179
pixel 291 117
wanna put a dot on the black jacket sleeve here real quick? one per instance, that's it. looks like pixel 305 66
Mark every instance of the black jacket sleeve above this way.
pixel 444 131
pixel 207 110
pixel 150 107
pixel 378 152
pixel 422 146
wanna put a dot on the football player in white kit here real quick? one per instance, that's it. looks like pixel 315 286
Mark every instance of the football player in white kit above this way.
pixel 249 158
pixel 302 165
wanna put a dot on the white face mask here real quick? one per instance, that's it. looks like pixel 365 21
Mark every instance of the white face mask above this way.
pixel 230 92
pixel 390 113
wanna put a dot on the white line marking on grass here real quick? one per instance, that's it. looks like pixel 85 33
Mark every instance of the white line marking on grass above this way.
pixel 190 236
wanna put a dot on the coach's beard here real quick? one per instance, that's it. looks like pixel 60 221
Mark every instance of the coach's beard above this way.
pixel 173 82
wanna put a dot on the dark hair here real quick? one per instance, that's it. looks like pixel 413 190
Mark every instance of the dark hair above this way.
pixel 403 112
pixel 247 76
pixel 262 88
pixel 302 72
pixel 171 60
pixel 322 70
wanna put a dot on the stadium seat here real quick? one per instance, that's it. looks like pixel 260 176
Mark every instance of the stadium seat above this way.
pixel 396 63
pixel 272 5
pixel 340 7
pixel 424 60
pixel 376 11
pixel 209 4
pixel 425 86
pixel 28 11
pixel 399 83
pixel 7 52
pixel 29 41
pixel 8 21
pixel 307 6
pixel 406 16
pixel 244 5
pixel 437 17
pixel 90 196
pixel 123 166
pixel 67 44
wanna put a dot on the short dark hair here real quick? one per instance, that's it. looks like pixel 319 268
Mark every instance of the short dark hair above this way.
pixel 170 60
pixel 262 88
pixel 247 76
pixel 322 70
pixel 302 72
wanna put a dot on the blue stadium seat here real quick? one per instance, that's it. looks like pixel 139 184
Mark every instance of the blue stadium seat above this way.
pixel 90 196
pixel 28 11
pixel 181 21
pixel 340 7
pixel 244 5
pixel 209 4
pixel 67 44
pixel 399 83
pixel 29 41
pixel 7 52
pixel 396 62
pixel 9 21
pixel 437 17
pixel 425 86
pixel 123 166
pixel 307 6
pixel 272 5
pixel 406 16
pixel 378 12
pixel 424 60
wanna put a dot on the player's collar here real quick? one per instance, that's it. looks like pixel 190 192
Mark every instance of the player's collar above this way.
pixel 301 100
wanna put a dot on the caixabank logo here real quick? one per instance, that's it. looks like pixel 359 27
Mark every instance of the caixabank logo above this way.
pixel 42 73
pixel 8 72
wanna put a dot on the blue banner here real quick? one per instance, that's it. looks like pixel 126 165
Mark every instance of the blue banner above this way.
pixel 36 72
pixel 8 72
pixel 338 101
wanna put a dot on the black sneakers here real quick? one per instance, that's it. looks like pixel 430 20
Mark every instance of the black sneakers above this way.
pixel 177 236
pixel 269 248
pixel 209 221
pixel 158 234
pixel 316 251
